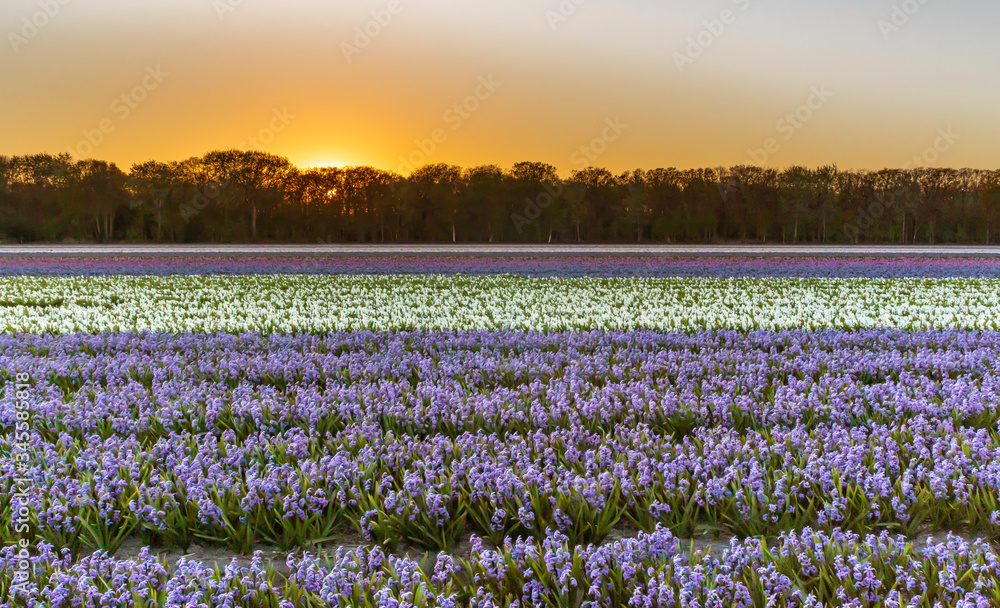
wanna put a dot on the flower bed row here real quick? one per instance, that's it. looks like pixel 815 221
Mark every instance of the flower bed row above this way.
pixel 448 383
pixel 424 436
pixel 801 570
pixel 318 304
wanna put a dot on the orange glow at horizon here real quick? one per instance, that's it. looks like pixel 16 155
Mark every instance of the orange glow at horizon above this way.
pixel 394 84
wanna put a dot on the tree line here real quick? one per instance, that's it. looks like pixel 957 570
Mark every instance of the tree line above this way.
pixel 253 196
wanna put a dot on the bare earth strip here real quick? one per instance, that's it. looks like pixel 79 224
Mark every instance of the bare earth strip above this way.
pixel 501 250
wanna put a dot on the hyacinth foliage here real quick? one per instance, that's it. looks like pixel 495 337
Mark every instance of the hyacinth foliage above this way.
pixel 425 436
pixel 799 570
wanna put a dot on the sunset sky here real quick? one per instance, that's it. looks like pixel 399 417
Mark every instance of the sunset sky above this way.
pixel 620 84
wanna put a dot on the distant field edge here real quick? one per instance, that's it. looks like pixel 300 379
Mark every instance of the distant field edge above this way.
pixel 503 250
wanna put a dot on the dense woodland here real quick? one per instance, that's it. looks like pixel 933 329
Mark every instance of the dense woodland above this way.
pixel 246 196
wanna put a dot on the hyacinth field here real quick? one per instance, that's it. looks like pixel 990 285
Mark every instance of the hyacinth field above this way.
pixel 554 431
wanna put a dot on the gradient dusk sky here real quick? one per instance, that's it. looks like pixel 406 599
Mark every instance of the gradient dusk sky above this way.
pixel 620 84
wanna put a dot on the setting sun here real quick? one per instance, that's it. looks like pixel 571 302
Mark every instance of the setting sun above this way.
pixel 697 84
pixel 326 163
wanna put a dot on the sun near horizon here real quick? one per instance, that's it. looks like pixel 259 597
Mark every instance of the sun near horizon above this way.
pixel 394 84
